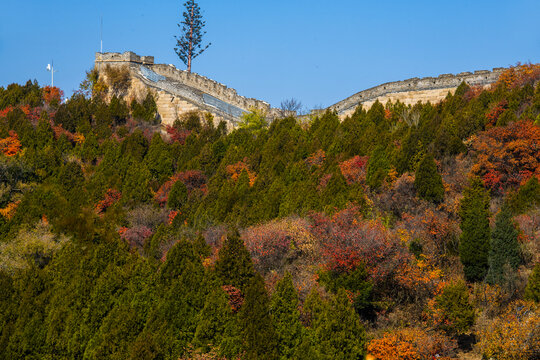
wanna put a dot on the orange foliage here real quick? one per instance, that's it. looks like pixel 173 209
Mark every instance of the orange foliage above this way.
pixel 411 344
pixel 112 196
pixel 11 145
pixel 316 159
pixel 519 75
pixel 236 170
pixel 9 211
pixel 52 95
pixel 354 169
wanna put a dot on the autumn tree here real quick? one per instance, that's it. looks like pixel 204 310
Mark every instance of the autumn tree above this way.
pixel 475 236
pixel 189 43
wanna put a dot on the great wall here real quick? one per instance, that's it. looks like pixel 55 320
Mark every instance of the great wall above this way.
pixel 177 91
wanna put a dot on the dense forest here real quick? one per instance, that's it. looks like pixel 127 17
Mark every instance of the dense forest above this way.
pixel 402 232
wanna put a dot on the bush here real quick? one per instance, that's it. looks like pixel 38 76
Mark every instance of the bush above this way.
pixel 513 336
pixel 456 314
pixel 411 344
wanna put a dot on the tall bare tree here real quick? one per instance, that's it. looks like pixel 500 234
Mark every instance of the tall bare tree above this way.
pixel 189 43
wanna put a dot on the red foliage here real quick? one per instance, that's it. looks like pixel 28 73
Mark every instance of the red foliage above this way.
pixel 347 240
pixel 493 114
pixel 4 112
pixel 177 135
pixel 135 236
pixel 52 95
pixel 11 145
pixel 112 196
pixel 193 179
pixel 172 215
pixel 354 169
pixel 236 298
pixel 506 156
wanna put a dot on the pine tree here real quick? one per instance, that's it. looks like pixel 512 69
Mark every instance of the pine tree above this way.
pixel 341 334
pixel 475 236
pixel 284 306
pixel 504 248
pixel 234 265
pixel 532 291
pixel 377 168
pixel 259 335
pixel 213 320
pixel 178 195
pixel 189 43
pixel 457 311
pixel 428 181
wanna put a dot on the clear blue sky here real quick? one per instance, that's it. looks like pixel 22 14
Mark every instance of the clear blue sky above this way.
pixel 318 52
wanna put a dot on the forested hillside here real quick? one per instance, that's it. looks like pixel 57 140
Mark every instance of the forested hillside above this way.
pixel 402 232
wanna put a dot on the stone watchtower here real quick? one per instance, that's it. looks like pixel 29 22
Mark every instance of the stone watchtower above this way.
pixel 177 92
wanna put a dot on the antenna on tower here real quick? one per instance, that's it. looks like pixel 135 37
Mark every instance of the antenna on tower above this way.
pixel 50 67
pixel 101 35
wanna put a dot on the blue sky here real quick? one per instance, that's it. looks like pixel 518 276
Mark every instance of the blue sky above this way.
pixel 318 52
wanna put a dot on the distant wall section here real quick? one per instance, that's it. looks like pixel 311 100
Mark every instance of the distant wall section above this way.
pixel 414 90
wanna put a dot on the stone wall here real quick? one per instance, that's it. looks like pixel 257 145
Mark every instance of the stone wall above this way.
pixel 179 91
pixel 413 90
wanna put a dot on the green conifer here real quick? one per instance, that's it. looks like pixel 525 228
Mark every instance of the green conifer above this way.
pixel 377 168
pixel 532 291
pixel 212 321
pixel 177 196
pixel 284 307
pixel 341 334
pixel 234 265
pixel 458 313
pixel 504 248
pixel 259 335
pixel 428 181
pixel 475 236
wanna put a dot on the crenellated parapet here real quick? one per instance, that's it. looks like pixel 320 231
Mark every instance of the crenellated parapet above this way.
pixel 413 90
pixel 179 91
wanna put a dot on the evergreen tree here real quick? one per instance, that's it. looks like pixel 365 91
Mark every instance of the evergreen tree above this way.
pixel 341 334
pixel 234 265
pixel 428 181
pixel 189 43
pixel 475 236
pixel 532 291
pixel 178 195
pixel 377 168
pixel 284 307
pixel 504 248
pixel 259 335
pixel 336 192
pixel 457 311
pixel 213 320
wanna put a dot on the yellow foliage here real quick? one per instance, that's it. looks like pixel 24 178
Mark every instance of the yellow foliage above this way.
pixel 513 336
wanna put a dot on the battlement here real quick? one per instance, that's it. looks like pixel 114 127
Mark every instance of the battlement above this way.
pixel 417 85
pixel 127 57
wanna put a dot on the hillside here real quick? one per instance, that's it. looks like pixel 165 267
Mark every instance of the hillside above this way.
pixel 400 231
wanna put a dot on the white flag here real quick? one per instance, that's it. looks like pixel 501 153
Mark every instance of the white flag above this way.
pixel 48 67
